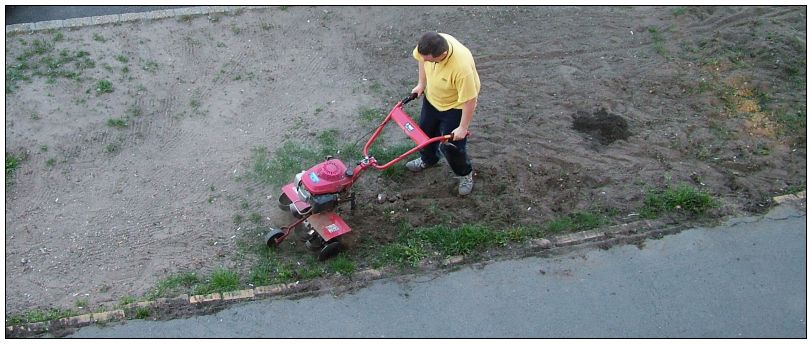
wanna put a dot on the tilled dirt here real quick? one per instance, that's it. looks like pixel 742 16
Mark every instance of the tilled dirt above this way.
pixel 581 109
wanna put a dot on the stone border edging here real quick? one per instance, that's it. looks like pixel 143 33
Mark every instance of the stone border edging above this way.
pixel 613 235
pixel 125 17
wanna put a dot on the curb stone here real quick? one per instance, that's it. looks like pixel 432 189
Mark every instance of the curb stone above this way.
pixel 611 235
pixel 124 17
pixel 791 197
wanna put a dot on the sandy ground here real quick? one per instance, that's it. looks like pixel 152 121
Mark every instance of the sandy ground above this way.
pixel 581 109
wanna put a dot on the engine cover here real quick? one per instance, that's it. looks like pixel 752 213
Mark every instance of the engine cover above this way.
pixel 328 177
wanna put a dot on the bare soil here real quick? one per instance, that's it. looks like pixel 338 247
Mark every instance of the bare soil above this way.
pixel 581 109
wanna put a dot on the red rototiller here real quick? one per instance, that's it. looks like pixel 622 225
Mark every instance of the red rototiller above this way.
pixel 314 194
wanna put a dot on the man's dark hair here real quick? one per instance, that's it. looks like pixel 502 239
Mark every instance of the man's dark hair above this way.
pixel 431 43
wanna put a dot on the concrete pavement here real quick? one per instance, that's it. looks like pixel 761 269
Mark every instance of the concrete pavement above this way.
pixel 745 279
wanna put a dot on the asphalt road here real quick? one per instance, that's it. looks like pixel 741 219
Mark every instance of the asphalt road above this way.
pixel 746 279
pixel 33 14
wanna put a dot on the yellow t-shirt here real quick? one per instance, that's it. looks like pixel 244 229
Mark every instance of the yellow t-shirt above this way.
pixel 453 81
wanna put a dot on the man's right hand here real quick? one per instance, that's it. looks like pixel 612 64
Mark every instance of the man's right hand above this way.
pixel 419 90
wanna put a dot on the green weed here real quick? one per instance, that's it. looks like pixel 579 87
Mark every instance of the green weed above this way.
pixel 99 38
pixel 342 265
pixel 404 253
pixel 12 163
pixel 150 66
pixel 683 198
pixel 81 303
pixel 578 221
pixel 117 123
pixel 370 114
pixel 141 313
pixel 178 282
pixel 126 300
pixel 678 11
pixel 104 86
pixel 221 280
pixel 39 315
pixel 659 41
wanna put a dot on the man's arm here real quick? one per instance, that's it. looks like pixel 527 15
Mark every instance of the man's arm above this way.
pixel 421 79
pixel 467 114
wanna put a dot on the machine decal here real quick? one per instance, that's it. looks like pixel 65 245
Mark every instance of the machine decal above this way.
pixel 313 177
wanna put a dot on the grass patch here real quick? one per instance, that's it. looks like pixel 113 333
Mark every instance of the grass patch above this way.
pixel 141 313
pixel 12 163
pixel 681 199
pixel 659 41
pixel 104 86
pixel 126 300
pixel 370 114
pixel 415 244
pixel 790 123
pixel 117 123
pixel 221 280
pixel 40 60
pixel 342 265
pixel 39 315
pixel 150 66
pixel 574 222
pixel 179 282
pixel 285 163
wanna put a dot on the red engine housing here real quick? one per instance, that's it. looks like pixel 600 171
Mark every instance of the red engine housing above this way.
pixel 326 178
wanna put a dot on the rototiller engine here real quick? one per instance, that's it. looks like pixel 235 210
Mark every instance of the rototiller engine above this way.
pixel 314 194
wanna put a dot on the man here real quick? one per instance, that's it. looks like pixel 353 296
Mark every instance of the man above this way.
pixel 448 76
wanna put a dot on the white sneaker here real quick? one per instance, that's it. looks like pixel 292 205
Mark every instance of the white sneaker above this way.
pixel 466 184
pixel 416 165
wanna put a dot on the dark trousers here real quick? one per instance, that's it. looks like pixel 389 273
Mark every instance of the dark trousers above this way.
pixel 436 123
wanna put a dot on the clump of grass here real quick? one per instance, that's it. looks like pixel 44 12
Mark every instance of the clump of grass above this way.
pixel 99 38
pixel 81 303
pixel 682 199
pixel 414 244
pixel 39 315
pixel 402 253
pixel 122 58
pixel 113 147
pixel 220 280
pixel 285 163
pixel 678 11
pixel 578 221
pixel 342 265
pixel 38 61
pixel 117 122
pixel 141 313
pixel 179 282
pixel 12 163
pixel 255 218
pixel 150 66
pixel 790 123
pixel 659 41
pixel 126 300
pixel 104 86
pixel 370 114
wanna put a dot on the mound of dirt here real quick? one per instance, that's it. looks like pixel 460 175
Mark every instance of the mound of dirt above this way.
pixel 606 127
pixel 136 165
